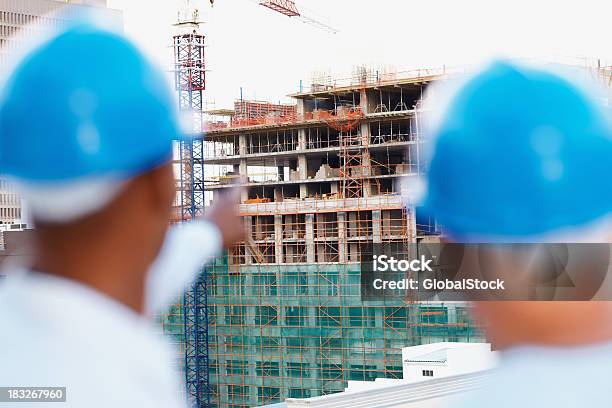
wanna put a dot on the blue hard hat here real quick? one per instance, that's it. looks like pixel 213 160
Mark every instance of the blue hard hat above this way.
pixel 519 152
pixel 85 104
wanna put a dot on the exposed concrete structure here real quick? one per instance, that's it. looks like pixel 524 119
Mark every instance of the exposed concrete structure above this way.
pixel 344 151
pixel 285 312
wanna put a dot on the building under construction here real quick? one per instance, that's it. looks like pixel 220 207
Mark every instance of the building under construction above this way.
pixel 322 179
pixel 281 316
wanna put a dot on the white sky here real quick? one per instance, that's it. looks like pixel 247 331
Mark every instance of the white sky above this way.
pixel 267 53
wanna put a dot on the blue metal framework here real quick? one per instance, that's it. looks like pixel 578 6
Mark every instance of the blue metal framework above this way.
pixel 190 84
pixel 195 309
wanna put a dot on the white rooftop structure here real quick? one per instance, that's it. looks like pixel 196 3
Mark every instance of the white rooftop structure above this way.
pixel 446 359
pixel 433 393
pixel 435 375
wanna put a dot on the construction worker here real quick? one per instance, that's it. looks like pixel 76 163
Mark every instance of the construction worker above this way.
pixel 522 154
pixel 86 133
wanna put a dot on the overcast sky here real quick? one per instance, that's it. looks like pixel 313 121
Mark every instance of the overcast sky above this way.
pixel 267 54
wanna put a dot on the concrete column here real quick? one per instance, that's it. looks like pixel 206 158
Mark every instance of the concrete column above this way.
pixel 278 238
pixel 278 194
pixel 367 171
pixel 412 224
pixel 302 167
pixel 363 101
pixel 342 249
pixel 244 178
pixel 302 140
pixel 303 174
pixel 242 145
pixel 365 159
pixel 243 169
pixel 310 244
pixel 301 109
pixel 365 133
pixel 248 228
pixel 303 191
pixel 376 232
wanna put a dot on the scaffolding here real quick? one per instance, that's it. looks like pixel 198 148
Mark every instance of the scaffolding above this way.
pixel 299 329
pixel 286 319
pixel 322 182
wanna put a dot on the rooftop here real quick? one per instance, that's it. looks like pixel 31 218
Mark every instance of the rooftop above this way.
pixel 437 356
pixel 429 393
pixel 371 79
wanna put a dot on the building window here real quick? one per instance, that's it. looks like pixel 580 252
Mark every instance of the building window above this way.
pixel 236 367
pixel 265 284
pixel 268 394
pixel 268 369
pixel 299 393
pixel 329 316
pixel 298 370
pixel 427 373
pixel 237 393
pixel 266 316
pixel 294 316
pixel 362 373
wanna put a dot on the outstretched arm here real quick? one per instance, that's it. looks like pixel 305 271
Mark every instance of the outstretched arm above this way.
pixel 188 247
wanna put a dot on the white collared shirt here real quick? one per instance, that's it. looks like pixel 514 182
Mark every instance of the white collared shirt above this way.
pixel 539 377
pixel 58 333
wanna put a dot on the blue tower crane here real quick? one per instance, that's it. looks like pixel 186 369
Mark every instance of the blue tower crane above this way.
pixel 190 81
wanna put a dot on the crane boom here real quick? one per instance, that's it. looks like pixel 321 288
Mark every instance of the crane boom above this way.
pixel 318 24
pixel 286 7
pixel 290 9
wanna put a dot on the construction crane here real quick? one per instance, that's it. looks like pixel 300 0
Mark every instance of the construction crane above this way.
pixel 190 84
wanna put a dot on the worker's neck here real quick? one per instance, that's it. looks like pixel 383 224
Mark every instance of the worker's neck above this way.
pixel 593 327
pixel 108 266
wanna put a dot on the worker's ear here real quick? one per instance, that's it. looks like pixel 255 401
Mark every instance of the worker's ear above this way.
pixel 161 187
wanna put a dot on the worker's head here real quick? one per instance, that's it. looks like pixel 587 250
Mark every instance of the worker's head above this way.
pixel 86 131
pixel 522 155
